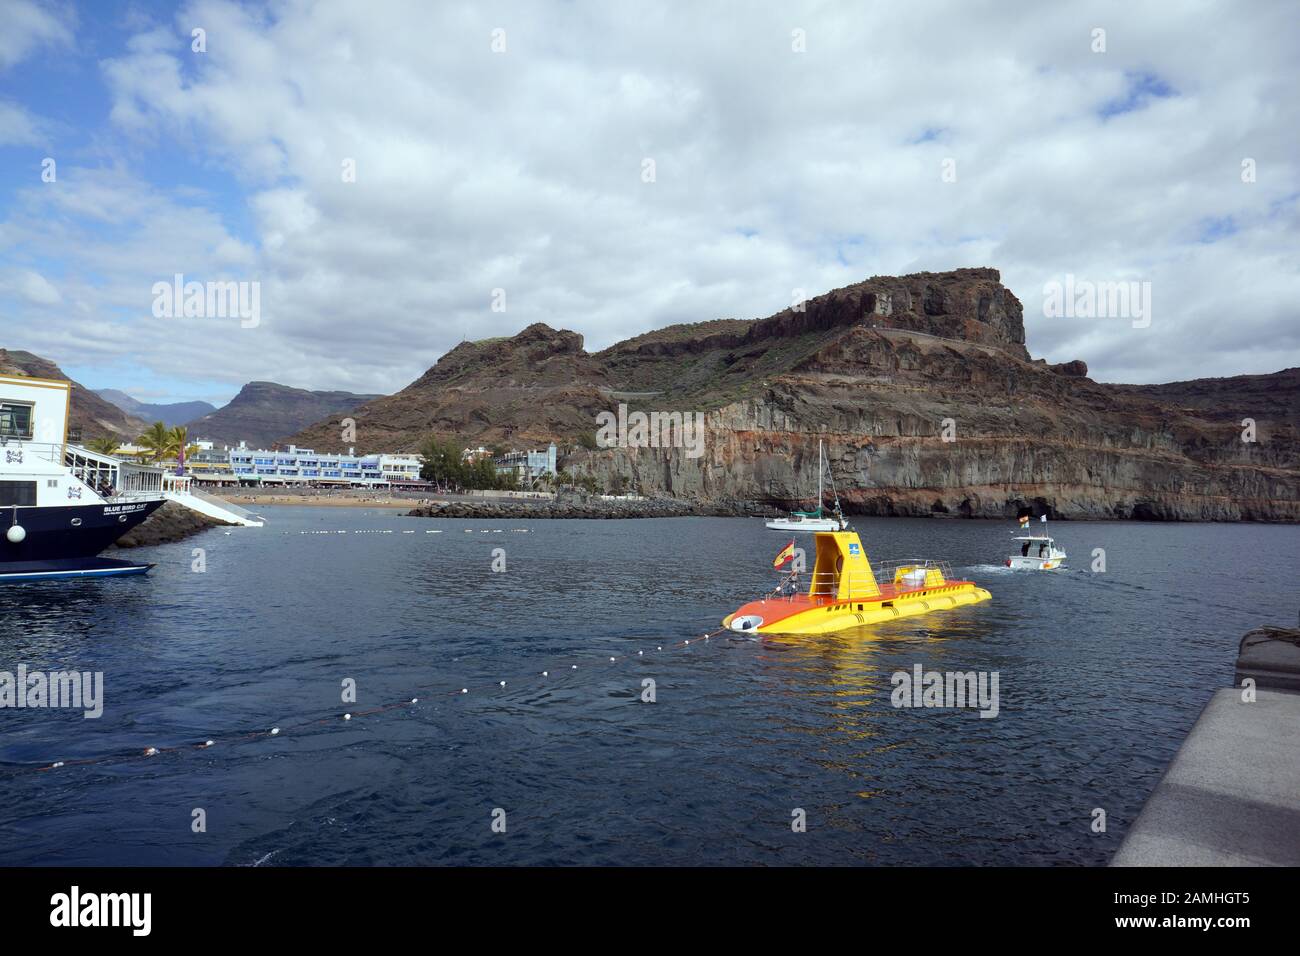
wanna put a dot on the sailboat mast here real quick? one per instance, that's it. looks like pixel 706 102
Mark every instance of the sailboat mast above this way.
pixel 821 495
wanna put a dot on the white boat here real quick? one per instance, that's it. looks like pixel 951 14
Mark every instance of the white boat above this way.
pixel 62 504
pixel 814 520
pixel 1038 553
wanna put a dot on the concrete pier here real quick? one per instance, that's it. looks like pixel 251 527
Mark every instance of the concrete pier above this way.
pixel 1231 795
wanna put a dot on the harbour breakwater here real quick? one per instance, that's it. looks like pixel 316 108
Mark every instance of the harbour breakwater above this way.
pixel 593 508
pixel 171 522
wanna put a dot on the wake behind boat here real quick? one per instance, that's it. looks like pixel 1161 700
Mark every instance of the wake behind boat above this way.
pixel 61 504
pixel 814 520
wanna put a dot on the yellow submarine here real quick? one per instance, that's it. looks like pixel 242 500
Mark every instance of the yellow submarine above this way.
pixel 844 593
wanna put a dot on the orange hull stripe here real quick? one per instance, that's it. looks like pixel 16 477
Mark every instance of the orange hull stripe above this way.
pixel 780 608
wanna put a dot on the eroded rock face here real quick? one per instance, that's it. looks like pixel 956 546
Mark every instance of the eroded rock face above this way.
pixel 1023 435
pixel 883 372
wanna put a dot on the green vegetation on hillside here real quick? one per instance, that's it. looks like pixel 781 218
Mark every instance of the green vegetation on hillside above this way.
pixel 443 464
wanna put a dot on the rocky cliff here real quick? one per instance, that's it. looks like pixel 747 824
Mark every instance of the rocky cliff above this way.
pixel 920 386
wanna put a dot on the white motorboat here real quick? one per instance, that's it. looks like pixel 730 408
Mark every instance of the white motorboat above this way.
pixel 817 520
pixel 1038 553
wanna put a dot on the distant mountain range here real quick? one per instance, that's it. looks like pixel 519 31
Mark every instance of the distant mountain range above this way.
pixel 263 413
pixel 176 413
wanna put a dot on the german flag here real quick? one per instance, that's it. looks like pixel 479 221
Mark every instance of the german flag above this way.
pixel 785 557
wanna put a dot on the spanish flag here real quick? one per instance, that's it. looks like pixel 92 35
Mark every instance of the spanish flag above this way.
pixel 1024 521
pixel 785 557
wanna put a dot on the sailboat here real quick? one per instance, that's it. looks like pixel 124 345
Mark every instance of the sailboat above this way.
pixel 814 520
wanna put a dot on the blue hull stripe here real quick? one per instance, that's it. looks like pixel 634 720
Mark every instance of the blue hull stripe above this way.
pixel 86 573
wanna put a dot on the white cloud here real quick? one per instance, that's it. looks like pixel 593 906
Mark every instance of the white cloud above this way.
pixel 24 28
pixel 19 127
pixel 30 287
pixel 28 26
pixel 35 288
pixel 775 170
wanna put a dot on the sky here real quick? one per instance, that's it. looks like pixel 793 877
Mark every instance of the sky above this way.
pixel 393 178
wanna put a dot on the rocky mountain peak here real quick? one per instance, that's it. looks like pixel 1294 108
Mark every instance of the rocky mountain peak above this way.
pixel 558 341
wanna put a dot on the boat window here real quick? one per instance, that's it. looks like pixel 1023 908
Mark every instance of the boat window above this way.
pixel 15 419
pixel 17 493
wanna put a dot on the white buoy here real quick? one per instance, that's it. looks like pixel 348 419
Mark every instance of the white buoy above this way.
pixel 503 683
pixel 347 716
pixel 151 752
pixel 611 660
pixel 209 743
pixel 56 766
pixel 274 731
pixel 415 700
pixel 16 534
pixel 545 674
pixel 464 690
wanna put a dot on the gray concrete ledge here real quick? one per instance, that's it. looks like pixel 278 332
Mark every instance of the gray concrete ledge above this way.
pixel 1231 796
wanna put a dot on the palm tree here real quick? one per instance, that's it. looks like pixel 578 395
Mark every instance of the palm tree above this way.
pixel 104 446
pixel 158 441
pixel 180 439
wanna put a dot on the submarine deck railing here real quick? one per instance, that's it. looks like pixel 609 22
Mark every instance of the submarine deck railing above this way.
pixel 860 586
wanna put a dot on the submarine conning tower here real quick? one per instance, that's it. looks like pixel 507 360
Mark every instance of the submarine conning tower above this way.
pixel 841 570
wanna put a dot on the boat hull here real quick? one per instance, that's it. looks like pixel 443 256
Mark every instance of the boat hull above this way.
pixel 1021 563
pixel 70 568
pixel 809 524
pixel 57 539
pixel 801 614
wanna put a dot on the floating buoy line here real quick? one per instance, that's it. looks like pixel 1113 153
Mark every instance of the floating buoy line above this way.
pixel 429 531
pixel 343 717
